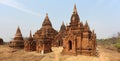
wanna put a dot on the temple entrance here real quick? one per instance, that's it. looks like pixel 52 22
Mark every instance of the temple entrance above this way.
pixel 59 43
pixel 70 45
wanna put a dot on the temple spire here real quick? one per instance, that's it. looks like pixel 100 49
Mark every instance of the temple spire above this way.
pixel 75 17
pixel 18 32
pixel 30 34
pixel 86 26
pixel 46 21
pixel 63 23
pixel 63 27
pixel 47 16
pixel 75 9
pixel 18 35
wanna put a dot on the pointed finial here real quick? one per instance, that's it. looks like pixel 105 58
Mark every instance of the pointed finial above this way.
pixel 74 6
pixel 75 9
pixel 46 15
pixel 18 32
pixel 86 24
pixel 46 21
pixel 30 34
pixel 63 27
pixel 18 28
pixel 63 23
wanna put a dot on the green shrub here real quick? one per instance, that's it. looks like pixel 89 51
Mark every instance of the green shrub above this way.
pixel 117 45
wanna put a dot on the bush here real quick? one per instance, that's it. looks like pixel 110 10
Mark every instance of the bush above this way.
pixel 117 45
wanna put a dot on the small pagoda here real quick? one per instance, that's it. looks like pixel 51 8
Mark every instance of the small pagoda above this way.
pixel 17 41
pixel 30 43
pixel 59 37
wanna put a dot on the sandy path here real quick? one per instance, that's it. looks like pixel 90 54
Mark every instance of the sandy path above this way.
pixel 57 51
pixel 102 55
pixel 21 55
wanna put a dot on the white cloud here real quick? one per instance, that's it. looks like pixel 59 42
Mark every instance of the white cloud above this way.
pixel 18 6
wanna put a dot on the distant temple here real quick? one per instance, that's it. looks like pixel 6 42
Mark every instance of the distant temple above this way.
pixel 60 35
pixel 30 43
pixel 18 41
pixel 79 40
pixel 76 38
pixel 1 41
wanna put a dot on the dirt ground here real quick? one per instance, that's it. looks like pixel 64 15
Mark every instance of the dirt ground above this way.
pixel 9 54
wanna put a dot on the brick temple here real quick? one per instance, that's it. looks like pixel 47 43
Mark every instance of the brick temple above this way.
pixel 45 36
pixel 30 43
pixel 75 38
pixel 61 34
pixel 79 39
pixel 17 41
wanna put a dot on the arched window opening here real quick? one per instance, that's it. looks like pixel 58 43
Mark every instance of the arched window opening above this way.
pixel 70 45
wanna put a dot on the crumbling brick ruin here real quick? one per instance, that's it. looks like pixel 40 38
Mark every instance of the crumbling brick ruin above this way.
pixel 18 41
pixel 79 39
pixel 30 43
pixel 75 38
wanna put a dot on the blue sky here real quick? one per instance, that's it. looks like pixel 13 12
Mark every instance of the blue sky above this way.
pixel 102 15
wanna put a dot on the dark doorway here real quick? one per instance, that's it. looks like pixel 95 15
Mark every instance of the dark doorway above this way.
pixel 70 45
pixel 59 43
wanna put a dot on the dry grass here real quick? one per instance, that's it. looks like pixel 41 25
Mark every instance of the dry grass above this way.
pixel 9 54
pixel 108 55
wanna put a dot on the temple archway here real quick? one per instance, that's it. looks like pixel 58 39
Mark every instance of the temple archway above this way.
pixel 70 45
